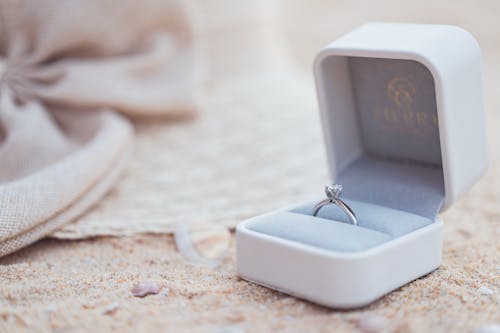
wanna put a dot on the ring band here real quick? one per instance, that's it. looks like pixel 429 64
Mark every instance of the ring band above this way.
pixel 333 197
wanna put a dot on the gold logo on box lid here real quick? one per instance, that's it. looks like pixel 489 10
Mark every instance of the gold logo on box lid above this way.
pixel 400 113
pixel 401 91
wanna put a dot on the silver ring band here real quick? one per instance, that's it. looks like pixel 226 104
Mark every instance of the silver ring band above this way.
pixel 333 197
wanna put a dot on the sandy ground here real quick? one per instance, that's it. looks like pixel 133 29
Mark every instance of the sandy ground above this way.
pixel 72 286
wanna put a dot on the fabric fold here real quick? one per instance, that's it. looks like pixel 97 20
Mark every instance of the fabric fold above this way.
pixel 67 71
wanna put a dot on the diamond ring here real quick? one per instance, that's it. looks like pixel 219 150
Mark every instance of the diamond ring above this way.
pixel 333 197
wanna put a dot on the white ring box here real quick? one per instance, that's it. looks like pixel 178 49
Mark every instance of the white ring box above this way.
pixel 402 113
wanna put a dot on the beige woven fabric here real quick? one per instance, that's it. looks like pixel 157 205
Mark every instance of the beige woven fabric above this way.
pixel 227 165
pixel 63 68
pixel 173 163
pixel 255 146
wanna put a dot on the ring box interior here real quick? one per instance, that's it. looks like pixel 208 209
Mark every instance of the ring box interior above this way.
pixel 403 122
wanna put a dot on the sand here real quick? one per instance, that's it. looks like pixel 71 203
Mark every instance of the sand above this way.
pixel 72 286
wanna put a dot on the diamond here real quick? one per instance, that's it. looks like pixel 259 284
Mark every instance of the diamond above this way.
pixel 333 191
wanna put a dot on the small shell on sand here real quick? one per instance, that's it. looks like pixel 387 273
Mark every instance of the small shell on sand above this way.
pixel 485 290
pixel 371 323
pixel 495 328
pixel 110 308
pixel 230 330
pixel 144 289
pixel 202 243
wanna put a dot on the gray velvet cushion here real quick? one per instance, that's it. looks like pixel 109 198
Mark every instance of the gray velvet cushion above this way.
pixel 389 221
pixel 330 230
pixel 409 187
pixel 318 232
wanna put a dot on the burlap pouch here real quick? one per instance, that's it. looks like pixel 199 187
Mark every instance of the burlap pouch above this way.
pixel 66 69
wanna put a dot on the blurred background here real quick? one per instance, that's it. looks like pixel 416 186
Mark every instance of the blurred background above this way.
pixel 255 143
pixel 302 27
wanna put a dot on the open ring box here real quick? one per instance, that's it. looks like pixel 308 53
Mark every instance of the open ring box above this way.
pixel 402 113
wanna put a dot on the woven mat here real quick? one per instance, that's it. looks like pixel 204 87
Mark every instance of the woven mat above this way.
pixel 255 146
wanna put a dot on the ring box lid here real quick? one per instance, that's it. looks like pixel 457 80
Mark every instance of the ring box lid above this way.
pixel 402 114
